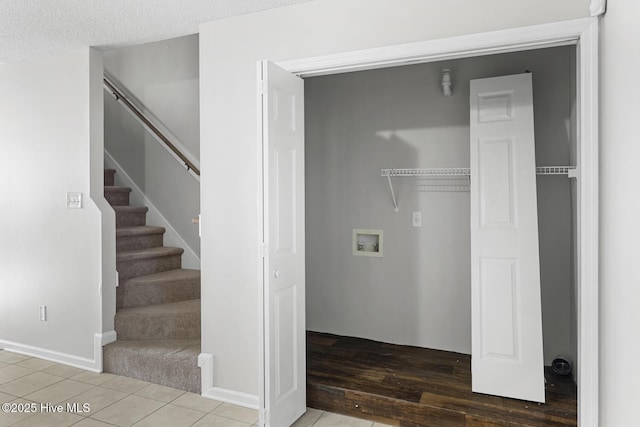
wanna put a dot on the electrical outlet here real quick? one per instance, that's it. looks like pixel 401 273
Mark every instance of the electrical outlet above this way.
pixel 43 313
pixel 416 219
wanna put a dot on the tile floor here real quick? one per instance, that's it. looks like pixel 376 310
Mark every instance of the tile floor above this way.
pixel 113 400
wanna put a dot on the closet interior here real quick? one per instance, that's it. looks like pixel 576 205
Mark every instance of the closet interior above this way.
pixel 388 263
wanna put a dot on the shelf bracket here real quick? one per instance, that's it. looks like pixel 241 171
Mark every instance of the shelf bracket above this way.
pixel 393 195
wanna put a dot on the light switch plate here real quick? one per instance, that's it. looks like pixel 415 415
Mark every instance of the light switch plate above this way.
pixel 74 200
pixel 416 219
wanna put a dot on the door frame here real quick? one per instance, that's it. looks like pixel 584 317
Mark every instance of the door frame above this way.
pixel 583 33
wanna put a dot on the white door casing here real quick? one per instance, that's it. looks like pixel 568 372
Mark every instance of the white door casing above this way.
pixel 507 354
pixel 284 240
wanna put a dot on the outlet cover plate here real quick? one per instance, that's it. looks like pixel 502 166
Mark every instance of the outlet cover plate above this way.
pixel 74 200
pixel 416 219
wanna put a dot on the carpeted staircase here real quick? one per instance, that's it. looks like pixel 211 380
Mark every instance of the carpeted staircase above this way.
pixel 157 302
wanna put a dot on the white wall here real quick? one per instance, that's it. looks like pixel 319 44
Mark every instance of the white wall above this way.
pixel 419 292
pixel 620 211
pixel 50 255
pixel 229 50
pixel 162 78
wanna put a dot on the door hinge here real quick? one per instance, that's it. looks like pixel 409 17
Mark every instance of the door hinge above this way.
pixel 262 87
pixel 263 250
pixel 264 418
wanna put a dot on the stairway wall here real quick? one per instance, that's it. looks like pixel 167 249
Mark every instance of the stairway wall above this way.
pixel 163 78
pixel 50 255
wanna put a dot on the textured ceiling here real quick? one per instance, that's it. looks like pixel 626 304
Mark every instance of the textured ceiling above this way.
pixel 31 28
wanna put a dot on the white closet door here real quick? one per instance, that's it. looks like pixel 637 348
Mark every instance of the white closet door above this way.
pixel 507 357
pixel 284 268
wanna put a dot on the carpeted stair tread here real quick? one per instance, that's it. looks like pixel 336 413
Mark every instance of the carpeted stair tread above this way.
pixel 141 254
pixel 117 195
pixel 139 230
pixel 180 307
pixel 116 189
pixel 130 209
pixel 181 274
pixel 176 320
pixel 129 216
pixel 138 237
pixel 142 262
pixel 159 288
pixel 172 363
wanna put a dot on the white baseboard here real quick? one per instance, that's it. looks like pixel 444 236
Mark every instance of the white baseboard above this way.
pixel 205 362
pixel 99 341
pixel 171 237
pixel 230 396
pixel 94 365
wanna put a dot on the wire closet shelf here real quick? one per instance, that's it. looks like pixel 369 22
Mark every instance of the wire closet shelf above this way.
pixel 454 179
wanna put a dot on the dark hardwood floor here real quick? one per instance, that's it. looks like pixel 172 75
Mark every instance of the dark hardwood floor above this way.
pixel 418 387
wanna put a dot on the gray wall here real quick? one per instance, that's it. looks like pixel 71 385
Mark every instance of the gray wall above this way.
pixel 164 78
pixel 419 292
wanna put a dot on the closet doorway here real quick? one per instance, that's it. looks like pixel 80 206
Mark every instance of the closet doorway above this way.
pixel 277 373
pixel 413 302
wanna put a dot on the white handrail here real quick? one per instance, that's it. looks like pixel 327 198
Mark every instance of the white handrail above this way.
pixel 175 148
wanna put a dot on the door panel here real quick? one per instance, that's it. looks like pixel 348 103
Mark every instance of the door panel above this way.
pixel 285 342
pixel 496 177
pixel 284 271
pixel 498 290
pixel 285 167
pixel 507 355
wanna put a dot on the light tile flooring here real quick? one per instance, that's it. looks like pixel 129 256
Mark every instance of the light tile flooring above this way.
pixel 113 400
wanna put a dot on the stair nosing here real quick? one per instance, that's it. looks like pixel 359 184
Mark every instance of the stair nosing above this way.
pixel 139 230
pixel 149 278
pixel 130 208
pixel 156 252
pixel 191 307
pixel 117 189
pixel 152 343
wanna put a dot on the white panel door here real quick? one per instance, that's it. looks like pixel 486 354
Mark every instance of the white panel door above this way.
pixel 507 358
pixel 284 266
